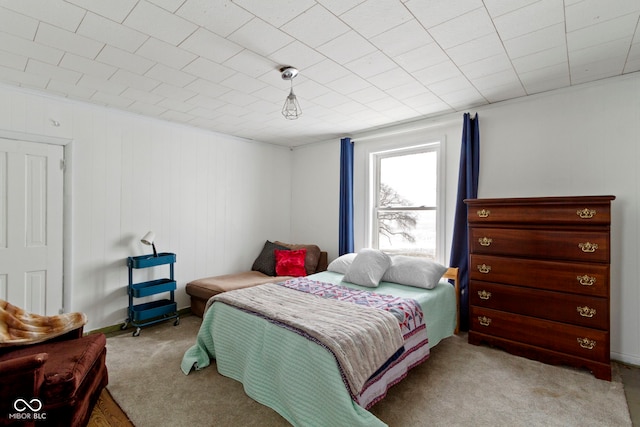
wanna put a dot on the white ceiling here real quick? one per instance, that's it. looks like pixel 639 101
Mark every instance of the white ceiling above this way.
pixel 363 64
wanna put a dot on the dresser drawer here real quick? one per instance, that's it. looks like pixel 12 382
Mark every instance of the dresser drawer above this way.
pixel 552 210
pixel 577 278
pixel 583 342
pixel 588 246
pixel 581 310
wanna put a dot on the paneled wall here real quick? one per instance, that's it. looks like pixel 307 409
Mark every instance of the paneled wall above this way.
pixel 210 198
pixel 583 140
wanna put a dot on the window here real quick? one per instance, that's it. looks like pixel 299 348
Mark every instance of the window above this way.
pixel 405 210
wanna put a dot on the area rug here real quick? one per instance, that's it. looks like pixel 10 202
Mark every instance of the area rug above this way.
pixel 107 413
pixel 460 385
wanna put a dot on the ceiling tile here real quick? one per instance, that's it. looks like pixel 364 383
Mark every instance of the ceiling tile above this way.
pixel 536 41
pixel 207 88
pixel 133 80
pixel 251 64
pixel 347 47
pixel 222 17
pixel 106 87
pixel 475 50
pixel 70 90
pixel 462 29
pixel 500 7
pixel 298 55
pixel 210 45
pixel 373 17
pixel 51 71
pixel 338 7
pixel 404 38
pixel 22 79
pixel 58 13
pixel 208 70
pixel 614 29
pixel 111 100
pixel 86 66
pixel 170 75
pixel 165 53
pixel 276 12
pixel 13 60
pixel 170 5
pixel 106 31
pixel 125 60
pixel 159 23
pixel 591 12
pixel 434 12
pixel 65 40
pixel 173 92
pixel 326 71
pixel 633 60
pixel 533 17
pixel 486 66
pixel 116 10
pixel 371 64
pixel 542 59
pixel 30 49
pixel 18 24
pixel 422 57
pixel 315 27
pixel 142 96
pixel 242 83
pixel 270 38
pixel 436 73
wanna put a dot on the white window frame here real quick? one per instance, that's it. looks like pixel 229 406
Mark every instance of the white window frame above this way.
pixel 373 181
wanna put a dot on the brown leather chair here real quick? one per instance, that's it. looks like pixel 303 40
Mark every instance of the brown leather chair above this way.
pixel 53 383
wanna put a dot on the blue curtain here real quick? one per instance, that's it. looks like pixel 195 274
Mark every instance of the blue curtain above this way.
pixel 345 240
pixel 467 189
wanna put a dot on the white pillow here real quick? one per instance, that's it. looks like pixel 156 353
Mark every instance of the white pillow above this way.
pixel 414 271
pixel 342 263
pixel 367 268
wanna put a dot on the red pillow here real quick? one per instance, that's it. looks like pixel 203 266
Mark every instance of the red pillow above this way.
pixel 290 263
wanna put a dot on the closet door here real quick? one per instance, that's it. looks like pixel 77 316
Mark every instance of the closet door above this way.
pixel 31 207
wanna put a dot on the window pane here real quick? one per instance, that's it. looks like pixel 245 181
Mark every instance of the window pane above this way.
pixel 408 180
pixel 408 233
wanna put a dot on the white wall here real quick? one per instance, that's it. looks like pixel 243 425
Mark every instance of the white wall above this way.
pixel 578 141
pixel 210 198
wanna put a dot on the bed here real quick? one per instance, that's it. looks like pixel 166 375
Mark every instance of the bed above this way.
pixel 302 379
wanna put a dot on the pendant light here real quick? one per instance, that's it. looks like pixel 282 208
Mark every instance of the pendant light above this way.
pixel 291 109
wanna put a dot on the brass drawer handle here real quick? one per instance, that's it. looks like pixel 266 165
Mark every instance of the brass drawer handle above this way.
pixel 586 213
pixel 485 295
pixel 586 280
pixel 586 343
pixel 588 247
pixel 484 268
pixel 484 321
pixel 484 213
pixel 485 241
pixel 586 311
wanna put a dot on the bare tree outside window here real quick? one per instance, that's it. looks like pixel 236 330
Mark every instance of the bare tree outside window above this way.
pixel 398 223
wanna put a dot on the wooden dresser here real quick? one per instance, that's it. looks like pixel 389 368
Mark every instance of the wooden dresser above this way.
pixel 539 278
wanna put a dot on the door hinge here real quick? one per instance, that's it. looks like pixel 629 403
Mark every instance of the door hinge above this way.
pixel 62 165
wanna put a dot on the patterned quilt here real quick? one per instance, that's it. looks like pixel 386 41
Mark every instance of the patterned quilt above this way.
pixel 342 320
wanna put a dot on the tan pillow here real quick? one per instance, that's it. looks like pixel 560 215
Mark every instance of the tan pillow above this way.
pixel 312 258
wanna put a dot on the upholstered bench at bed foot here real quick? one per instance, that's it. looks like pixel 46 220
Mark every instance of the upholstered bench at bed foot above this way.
pixel 202 289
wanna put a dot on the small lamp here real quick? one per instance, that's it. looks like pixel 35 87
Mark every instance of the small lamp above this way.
pixel 148 240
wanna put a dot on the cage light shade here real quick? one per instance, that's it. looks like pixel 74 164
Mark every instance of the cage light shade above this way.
pixel 291 109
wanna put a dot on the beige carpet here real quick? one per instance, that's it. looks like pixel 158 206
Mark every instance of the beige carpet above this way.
pixel 460 385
